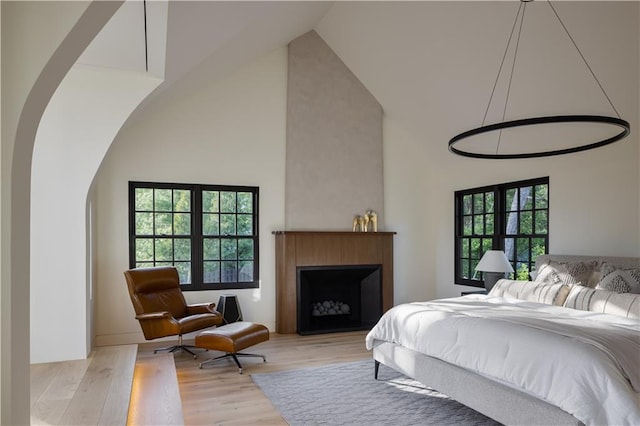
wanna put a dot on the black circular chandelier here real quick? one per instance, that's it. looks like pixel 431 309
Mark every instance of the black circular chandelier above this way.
pixel 621 127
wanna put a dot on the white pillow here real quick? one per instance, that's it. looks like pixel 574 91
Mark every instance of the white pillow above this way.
pixel 605 302
pixel 531 291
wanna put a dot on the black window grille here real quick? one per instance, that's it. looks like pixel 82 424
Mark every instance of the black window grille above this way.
pixel 208 232
pixel 513 217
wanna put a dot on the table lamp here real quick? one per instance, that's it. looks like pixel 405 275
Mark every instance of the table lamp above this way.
pixel 493 265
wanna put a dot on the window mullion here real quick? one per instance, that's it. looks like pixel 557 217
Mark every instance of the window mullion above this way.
pixel 197 239
pixel 153 224
pixel 132 226
pixel 499 225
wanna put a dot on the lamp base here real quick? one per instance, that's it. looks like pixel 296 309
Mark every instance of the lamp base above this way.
pixel 491 278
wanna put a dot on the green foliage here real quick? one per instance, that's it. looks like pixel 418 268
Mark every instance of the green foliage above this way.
pixel 542 196
pixel 229 249
pixel 228 202
pixel 245 249
pixel 210 224
pixel 211 272
pixel 245 224
pixel 210 201
pixel 162 200
pixel 182 249
pixel 228 224
pixel 211 248
pixel 245 202
pixel 144 223
pixel 163 224
pixel 467 202
pixel 488 197
pixel 144 249
pixel 181 200
pixel 181 224
pixel 144 199
pixel 522 273
pixel 163 249
pixel 478 203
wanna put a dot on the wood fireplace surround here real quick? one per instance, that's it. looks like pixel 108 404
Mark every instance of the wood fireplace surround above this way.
pixel 329 248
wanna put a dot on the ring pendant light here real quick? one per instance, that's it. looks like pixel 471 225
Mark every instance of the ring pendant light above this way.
pixel 621 126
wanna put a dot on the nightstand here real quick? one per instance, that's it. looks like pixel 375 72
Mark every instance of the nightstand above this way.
pixel 464 293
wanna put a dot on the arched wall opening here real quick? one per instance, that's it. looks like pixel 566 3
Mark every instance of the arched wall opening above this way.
pixel 27 88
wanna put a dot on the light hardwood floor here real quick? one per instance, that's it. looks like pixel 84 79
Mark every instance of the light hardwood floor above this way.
pixel 92 391
pixel 218 395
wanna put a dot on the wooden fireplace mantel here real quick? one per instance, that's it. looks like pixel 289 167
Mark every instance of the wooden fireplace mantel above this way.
pixel 318 248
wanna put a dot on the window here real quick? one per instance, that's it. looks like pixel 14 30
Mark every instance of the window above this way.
pixel 513 217
pixel 208 232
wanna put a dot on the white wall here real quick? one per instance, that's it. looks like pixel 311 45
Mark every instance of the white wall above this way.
pixel 231 132
pixel 80 122
pixel 442 89
pixel 407 208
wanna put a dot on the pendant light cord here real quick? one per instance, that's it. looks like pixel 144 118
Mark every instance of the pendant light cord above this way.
pixel 146 42
pixel 513 66
pixel 504 56
pixel 522 9
pixel 583 58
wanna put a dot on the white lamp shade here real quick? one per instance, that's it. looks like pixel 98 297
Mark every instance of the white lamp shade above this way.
pixel 494 261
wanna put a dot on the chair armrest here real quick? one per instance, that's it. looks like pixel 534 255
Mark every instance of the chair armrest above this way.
pixel 154 316
pixel 201 308
pixel 158 324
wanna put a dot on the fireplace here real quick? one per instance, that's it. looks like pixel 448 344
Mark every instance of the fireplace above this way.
pixel 367 256
pixel 338 298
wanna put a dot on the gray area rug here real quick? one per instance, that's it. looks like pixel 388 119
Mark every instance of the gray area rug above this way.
pixel 347 394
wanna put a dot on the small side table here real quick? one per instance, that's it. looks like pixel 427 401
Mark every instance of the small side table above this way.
pixel 464 293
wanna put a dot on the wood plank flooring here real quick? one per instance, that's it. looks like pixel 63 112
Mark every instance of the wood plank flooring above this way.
pixel 155 397
pixel 93 391
pixel 218 395
pixel 171 389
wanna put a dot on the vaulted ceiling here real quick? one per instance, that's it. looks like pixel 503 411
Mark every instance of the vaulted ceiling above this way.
pixel 419 59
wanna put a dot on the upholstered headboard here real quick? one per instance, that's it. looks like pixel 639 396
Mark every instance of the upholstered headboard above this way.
pixel 618 262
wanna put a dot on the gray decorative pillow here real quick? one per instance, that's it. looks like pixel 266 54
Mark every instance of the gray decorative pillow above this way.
pixel 619 280
pixel 583 273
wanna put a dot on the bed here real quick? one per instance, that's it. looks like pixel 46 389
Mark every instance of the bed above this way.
pixel 563 349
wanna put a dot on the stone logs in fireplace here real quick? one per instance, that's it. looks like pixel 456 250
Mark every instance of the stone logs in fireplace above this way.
pixel 366 263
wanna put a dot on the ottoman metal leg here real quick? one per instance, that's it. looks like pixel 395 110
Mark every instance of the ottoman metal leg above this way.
pixel 235 358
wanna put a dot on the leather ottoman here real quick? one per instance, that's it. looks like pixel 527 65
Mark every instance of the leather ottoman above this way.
pixel 231 339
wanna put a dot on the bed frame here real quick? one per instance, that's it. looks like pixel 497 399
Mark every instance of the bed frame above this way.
pixel 494 399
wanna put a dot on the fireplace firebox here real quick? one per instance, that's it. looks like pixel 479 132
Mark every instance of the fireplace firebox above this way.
pixel 338 298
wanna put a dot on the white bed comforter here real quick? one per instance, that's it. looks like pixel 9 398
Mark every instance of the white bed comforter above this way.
pixel 588 364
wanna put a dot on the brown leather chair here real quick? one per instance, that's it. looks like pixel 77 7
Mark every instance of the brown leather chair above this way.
pixel 161 308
